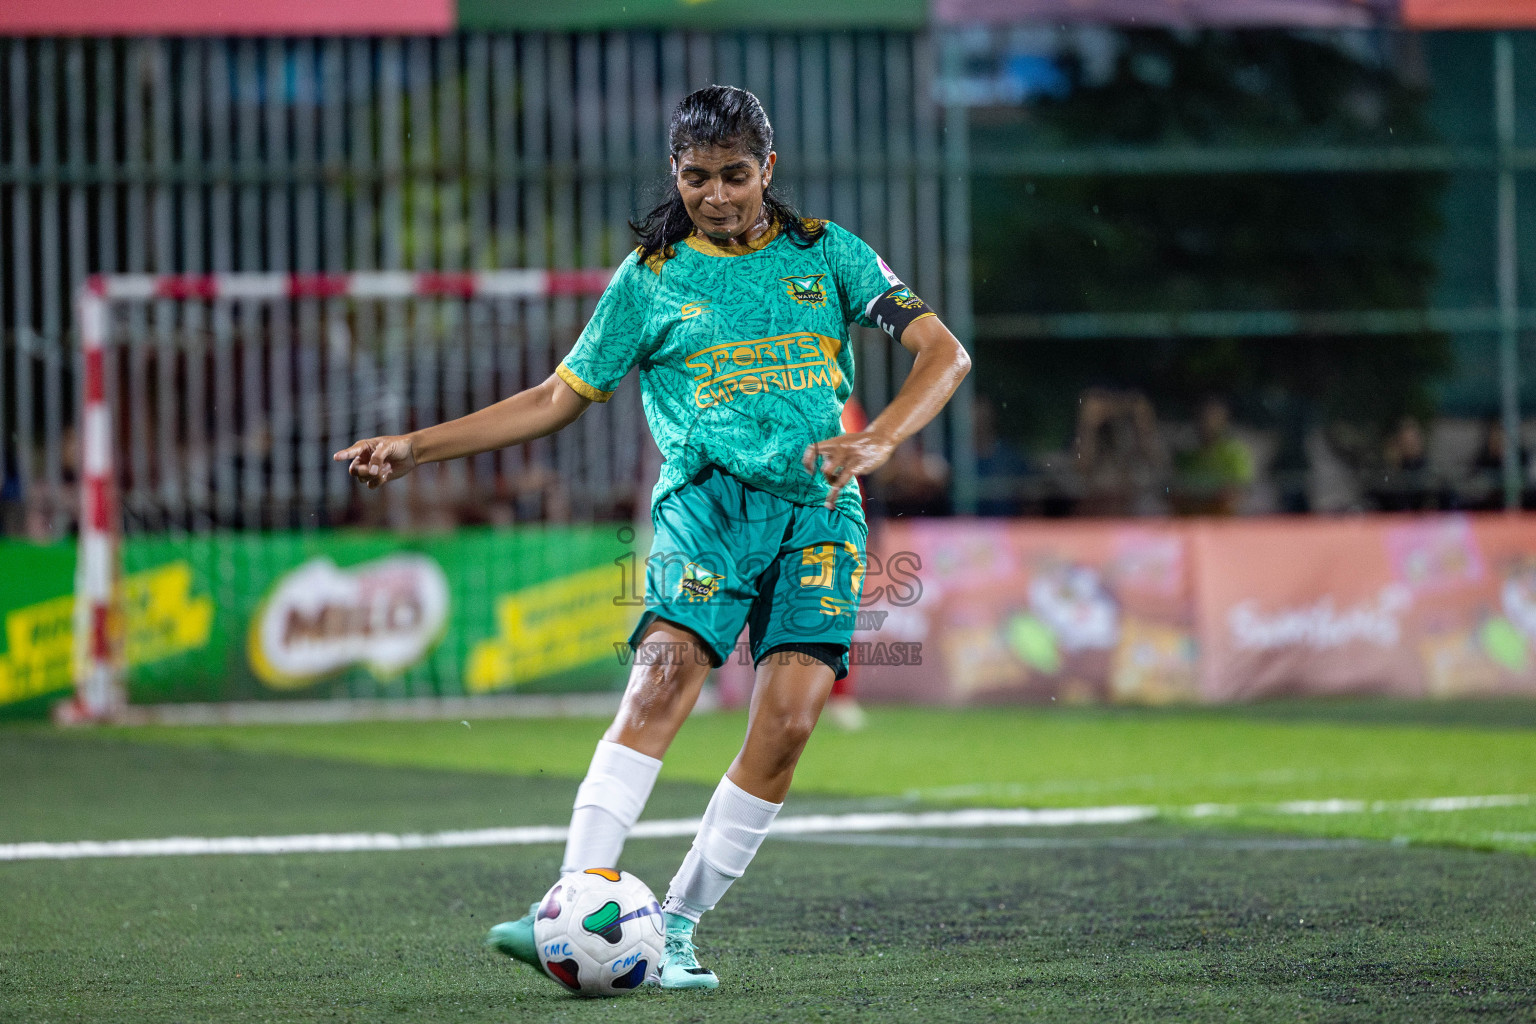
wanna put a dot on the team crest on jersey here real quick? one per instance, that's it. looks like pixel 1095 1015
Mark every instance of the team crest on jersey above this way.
pixel 806 290
pixel 698 583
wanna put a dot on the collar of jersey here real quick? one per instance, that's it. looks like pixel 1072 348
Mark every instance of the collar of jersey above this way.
pixel 757 244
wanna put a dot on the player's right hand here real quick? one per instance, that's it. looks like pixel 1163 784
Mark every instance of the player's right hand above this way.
pixel 379 460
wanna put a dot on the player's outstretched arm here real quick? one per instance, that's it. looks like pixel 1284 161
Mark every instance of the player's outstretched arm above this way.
pixel 534 413
pixel 940 365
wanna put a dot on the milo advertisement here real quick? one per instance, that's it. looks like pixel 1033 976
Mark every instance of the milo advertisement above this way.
pixel 318 615
pixel 952 612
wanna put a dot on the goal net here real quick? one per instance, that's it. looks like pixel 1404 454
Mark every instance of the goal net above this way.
pixel 223 556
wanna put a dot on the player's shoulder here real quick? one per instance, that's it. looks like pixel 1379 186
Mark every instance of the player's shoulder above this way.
pixel 826 239
pixel 666 267
pixel 832 235
pixel 821 230
pixel 654 263
pixel 639 273
pixel 634 262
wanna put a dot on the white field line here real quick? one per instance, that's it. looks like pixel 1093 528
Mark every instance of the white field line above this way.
pixel 1432 804
pixel 906 841
pixel 791 825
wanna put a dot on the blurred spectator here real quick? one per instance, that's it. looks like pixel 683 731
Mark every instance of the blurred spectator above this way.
pixel 52 507
pixel 1290 469
pixel 1406 483
pixel 1120 454
pixel 913 482
pixel 12 514
pixel 1000 469
pixel 1212 478
pixel 1484 492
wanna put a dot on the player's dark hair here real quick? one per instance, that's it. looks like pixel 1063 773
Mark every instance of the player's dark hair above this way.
pixel 717 115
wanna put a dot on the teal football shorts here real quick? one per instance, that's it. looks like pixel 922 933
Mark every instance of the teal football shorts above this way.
pixel 727 555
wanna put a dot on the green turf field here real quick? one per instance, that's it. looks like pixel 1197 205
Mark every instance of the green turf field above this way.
pixel 1253 915
pixel 1244 759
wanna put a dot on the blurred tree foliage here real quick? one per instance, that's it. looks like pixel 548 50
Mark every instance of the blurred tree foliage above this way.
pixel 1221 242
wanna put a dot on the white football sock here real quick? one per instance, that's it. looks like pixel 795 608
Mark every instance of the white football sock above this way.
pixel 608 804
pixel 734 826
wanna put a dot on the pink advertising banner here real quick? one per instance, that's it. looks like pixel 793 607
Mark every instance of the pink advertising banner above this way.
pixel 1175 13
pixel 1469 13
pixel 1210 611
pixel 224 17
pixel 1017 610
pixel 1417 607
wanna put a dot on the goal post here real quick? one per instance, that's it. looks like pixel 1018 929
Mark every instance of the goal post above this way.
pixel 98 618
pixel 98 693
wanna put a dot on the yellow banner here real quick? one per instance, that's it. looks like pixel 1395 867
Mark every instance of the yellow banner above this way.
pixel 160 613
pixel 550 628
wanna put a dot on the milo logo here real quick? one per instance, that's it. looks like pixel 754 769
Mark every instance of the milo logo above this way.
pixel 321 618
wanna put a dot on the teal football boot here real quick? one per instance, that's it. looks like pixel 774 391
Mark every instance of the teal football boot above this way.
pixel 515 939
pixel 679 963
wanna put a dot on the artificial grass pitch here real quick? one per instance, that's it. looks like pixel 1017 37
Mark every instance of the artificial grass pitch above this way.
pixel 1149 922
pixel 1245 758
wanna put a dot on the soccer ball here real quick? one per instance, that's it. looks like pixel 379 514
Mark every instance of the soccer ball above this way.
pixel 599 932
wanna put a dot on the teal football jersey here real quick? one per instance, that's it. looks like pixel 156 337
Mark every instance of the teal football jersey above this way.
pixel 744 359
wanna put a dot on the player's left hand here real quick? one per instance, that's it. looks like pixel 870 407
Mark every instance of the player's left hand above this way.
pixel 845 457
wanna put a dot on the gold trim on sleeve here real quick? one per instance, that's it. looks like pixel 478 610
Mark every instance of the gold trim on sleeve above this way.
pixel 580 386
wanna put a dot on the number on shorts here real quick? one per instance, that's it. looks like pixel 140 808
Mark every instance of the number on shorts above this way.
pixel 824 558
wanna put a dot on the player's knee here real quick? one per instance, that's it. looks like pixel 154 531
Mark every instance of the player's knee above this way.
pixel 658 689
pixel 787 733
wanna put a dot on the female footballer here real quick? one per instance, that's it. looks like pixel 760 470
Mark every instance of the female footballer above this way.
pixel 736 312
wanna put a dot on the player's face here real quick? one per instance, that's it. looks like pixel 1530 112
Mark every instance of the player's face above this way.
pixel 722 189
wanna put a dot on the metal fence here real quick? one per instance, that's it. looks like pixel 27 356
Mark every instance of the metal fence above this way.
pixel 456 153
pixel 1482 141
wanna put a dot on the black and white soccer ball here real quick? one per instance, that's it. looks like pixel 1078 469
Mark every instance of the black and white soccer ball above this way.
pixel 600 933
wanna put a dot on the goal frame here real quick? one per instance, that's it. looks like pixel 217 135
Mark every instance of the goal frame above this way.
pixel 100 692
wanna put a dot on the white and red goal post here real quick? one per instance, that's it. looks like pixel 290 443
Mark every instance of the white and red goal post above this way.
pixel 100 693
